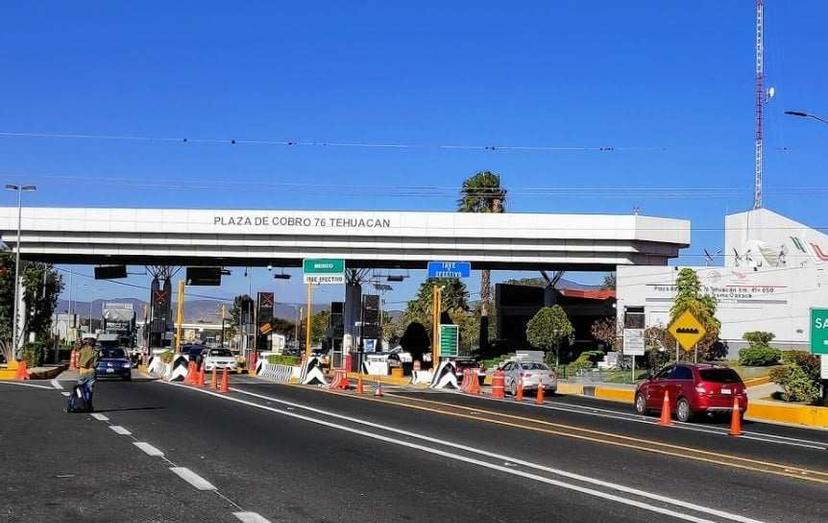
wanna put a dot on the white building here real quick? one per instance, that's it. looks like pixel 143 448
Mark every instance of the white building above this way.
pixel 774 272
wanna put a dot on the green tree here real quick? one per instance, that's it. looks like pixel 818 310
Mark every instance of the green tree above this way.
pixel 242 306
pixel 548 329
pixel 703 306
pixel 609 282
pixel 455 297
pixel 42 286
pixel 483 193
pixel 319 325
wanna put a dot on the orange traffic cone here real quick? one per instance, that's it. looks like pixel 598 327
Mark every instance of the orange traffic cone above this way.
pixel 378 389
pixel 360 389
pixel 736 419
pixel 539 398
pixel 200 376
pixel 224 387
pixel 22 370
pixel 666 417
pixel 519 391
pixel 214 380
pixel 190 379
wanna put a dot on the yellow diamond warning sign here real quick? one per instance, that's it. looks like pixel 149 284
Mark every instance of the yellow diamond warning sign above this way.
pixel 687 330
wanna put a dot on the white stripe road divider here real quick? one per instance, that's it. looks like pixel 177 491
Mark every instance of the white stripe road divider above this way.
pixel 21 384
pixel 636 418
pixel 65 393
pixel 250 517
pixel 148 449
pixel 117 429
pixel 99 417
pixel 192 478
pixel 501 458
pixel 56 384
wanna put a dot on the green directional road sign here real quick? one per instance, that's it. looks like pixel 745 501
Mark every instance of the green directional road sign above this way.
pixel 449 341
pixel 323 266
pixel 319 271
pixel 819 331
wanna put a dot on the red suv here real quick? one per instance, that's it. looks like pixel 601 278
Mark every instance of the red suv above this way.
pixel 693 389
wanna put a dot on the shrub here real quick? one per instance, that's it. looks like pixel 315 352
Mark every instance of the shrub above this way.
pixel 33 354
pixel 758 356
pixel 282 359
pixel 758 338
pixel 799 378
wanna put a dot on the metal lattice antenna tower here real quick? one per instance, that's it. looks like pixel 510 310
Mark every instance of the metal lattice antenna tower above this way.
pixel 759 94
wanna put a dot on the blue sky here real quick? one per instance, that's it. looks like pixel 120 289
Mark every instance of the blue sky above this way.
pixel 668 85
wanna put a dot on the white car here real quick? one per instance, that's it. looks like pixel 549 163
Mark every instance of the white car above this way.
pixel 532 373
pixel 219 359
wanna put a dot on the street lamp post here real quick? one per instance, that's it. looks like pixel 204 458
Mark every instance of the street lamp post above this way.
pixel 19 189
pixel 802 114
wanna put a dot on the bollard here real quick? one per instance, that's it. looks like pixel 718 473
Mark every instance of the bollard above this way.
pixel 498 384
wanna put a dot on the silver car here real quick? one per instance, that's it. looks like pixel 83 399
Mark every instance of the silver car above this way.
pixel 531 373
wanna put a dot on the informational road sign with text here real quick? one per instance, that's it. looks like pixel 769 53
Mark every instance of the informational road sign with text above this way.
pixel 446 269
pixel 633 342
pixel 819 331
pixel 321 271
pixel 449 341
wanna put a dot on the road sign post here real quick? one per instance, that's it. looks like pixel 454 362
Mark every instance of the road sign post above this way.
pixel 687 330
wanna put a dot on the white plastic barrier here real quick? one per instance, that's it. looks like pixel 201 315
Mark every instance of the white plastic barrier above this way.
pixel 421 376
pixel 276 372
pixel 177 370
pixel 445 378
pixel 312 373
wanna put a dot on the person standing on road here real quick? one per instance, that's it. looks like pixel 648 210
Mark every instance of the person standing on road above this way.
pixel 87 360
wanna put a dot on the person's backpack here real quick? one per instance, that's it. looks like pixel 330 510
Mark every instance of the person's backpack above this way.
pixel 80 399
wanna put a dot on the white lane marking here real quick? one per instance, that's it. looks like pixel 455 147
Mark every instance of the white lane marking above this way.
pixel 65 393
pixel 192 478
pixel 21 384
pixel 148 449
pixel 501 458
pixel 571 475
pixel 117 429
pixel 614 414
pixel 56 384
pixel 99 417
pixel 250 517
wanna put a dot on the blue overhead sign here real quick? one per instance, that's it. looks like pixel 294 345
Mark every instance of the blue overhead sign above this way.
pixel 437 269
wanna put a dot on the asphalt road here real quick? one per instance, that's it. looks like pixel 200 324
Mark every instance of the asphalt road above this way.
pixel 300 454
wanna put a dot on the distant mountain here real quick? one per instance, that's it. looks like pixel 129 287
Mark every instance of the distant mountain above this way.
pixel 195 311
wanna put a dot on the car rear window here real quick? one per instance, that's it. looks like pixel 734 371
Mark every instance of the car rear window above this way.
pixel 220 352
pixel 720 375
pixel 112 353
pixel 533 366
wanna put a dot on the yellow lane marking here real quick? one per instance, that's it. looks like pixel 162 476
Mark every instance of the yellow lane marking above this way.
pixel 607 438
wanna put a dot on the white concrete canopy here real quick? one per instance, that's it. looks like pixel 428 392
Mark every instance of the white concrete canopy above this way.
pixel 363 238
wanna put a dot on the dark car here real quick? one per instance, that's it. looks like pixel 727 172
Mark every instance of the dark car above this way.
pixel 194 353
pixel 113 363
pixel 693 389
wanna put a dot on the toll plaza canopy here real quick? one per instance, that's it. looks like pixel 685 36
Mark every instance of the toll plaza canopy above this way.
pixel 363 238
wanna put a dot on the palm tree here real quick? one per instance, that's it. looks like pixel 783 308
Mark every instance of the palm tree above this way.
pixel 483 193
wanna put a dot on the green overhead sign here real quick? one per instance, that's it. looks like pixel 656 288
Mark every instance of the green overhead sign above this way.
pixel 819 331
pixel 323 266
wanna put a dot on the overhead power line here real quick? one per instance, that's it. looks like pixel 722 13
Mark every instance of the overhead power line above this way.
pixel 312 143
